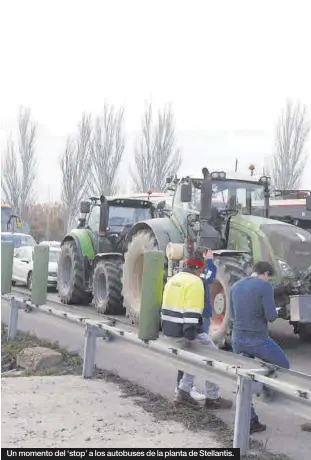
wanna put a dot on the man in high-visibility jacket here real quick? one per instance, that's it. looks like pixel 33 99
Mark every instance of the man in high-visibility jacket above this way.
pixel 182 320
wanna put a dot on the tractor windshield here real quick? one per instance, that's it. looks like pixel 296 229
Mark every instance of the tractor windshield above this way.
pixel 230 195
pixel 119 216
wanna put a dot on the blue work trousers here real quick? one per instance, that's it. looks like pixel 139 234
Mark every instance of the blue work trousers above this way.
pixel 262 348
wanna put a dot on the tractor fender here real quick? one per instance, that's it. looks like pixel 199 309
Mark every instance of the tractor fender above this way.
pixel 163 230
pixel 84 244
pixel 108 256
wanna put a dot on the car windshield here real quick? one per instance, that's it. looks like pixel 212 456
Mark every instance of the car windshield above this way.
pixel 120 215
pixel 243 197
pixel 54 256
pixel 18 240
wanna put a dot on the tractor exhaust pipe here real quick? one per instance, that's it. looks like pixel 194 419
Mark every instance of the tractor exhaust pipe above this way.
pixel 206 196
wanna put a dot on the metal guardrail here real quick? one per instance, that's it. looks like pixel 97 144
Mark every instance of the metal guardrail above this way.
pixel 250 379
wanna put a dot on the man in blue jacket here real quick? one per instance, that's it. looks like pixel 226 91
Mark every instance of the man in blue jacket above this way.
pixel 208 277
pixel 252 307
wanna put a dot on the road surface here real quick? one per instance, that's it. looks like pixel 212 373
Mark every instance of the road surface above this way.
pixel 158 375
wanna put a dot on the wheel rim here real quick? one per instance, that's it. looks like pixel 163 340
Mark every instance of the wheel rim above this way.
pixel 101 288
pixel 218 302
pixel 65 272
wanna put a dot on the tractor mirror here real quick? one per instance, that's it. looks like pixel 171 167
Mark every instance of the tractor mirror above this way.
pixel 185 193
pixel 308 203
pixel 85 207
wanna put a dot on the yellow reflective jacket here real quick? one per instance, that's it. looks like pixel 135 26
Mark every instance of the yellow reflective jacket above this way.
pixel 182 306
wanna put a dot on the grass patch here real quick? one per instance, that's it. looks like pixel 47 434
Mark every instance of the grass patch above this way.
pixel 71 363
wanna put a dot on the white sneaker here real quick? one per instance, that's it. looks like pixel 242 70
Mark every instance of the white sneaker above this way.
pixel 195 394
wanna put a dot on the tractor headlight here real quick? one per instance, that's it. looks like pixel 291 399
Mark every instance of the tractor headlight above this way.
pixel 218 175
pixel 285 268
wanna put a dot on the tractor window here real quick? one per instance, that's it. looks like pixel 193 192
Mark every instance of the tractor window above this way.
pixel 119 216
pixel 228 194
pixel 93 221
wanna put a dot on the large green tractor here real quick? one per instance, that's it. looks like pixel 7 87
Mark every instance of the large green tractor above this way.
pixel 91 258
pixel 216 211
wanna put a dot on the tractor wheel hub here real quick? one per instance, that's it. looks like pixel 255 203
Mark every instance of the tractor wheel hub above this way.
pixel 220 304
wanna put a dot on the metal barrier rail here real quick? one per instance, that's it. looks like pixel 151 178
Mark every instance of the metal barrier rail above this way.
pixel 249 380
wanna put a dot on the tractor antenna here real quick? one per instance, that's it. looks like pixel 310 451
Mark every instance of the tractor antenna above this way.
pixel 236 165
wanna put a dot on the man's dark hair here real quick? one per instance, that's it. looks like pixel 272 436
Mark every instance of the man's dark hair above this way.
pixel 263 267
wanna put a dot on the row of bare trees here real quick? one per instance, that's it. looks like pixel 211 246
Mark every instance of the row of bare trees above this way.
pixel 19 166
pixel 92 156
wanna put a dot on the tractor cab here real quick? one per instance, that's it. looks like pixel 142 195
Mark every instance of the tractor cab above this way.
pixel 111 218
pixel 204 206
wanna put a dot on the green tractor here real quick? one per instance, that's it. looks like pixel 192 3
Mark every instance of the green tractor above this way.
pixel 216 211
pixel 91 258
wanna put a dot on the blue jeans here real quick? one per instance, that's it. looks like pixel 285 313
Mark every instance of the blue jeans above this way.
pixel 206 325
pixel 263 348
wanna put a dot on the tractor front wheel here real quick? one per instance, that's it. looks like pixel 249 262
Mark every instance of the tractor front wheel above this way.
pixel 133 272
pixel 70 276
pixel 107 287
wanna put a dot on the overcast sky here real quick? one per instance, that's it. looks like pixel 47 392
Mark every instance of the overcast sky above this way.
pixel 226 66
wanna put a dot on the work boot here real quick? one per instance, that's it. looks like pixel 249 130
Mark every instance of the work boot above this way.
pixel 183 398
pixel 194 393
pixel 257 427
pixel 219 403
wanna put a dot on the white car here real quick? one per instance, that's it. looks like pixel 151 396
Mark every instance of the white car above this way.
pixel 52 244
pixel 23 266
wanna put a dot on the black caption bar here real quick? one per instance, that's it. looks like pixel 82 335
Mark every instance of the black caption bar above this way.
pixel 120 453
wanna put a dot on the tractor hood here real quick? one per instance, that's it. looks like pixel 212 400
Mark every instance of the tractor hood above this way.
pixel 289 243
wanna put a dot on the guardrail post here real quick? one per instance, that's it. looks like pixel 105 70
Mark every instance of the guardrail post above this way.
pixel 89 351
pixel 242 414
pixel 7 250
pixel 151 296
pixel 12 326
pixel 40 275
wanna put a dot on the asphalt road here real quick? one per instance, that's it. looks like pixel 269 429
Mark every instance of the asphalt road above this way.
pixel 158 374
pixel 298 352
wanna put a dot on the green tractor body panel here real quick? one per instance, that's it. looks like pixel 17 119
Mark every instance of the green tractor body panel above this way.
pixel 164 229
pixel 84 238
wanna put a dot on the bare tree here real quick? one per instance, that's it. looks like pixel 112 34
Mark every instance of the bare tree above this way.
pixel 19 165
pixel 75 166
pixel 289 159
pixel 106 151
pixel 156 156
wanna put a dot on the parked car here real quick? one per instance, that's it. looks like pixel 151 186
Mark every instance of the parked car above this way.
pixel 23 266
pixel 18 239
pixel 53 244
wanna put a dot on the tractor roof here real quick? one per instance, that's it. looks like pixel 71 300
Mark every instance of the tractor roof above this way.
pixel 152 199
pixel 230 175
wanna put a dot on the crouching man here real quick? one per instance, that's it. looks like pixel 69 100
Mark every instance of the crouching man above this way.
pixel 182 320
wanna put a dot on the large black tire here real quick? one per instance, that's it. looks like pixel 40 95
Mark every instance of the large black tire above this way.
pixel 133 272
pixel 304 331
pixel 107 287
pixel 70 276
pixel 230 269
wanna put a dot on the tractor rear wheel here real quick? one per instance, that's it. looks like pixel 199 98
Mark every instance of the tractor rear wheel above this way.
pixel 229 271
pixel 107 287
pixel 133 272
pixel 70 276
